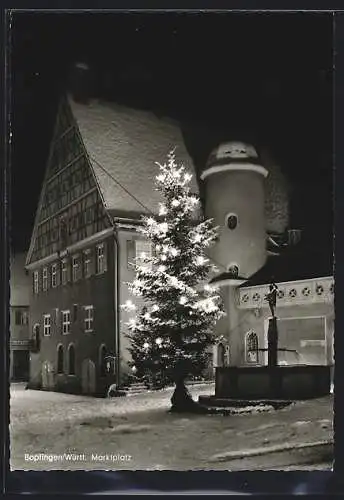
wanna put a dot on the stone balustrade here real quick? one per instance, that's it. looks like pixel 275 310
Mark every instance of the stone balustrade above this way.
pixel 319 290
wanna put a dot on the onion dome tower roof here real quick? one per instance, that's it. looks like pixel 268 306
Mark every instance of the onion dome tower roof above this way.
pixel 232 151
pixel 233 156
pixel 237 155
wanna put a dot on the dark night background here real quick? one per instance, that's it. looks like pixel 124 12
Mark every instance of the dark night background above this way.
pixel 265 78
pixel 268 77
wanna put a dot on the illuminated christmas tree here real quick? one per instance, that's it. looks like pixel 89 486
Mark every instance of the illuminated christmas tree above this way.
pixel 171 333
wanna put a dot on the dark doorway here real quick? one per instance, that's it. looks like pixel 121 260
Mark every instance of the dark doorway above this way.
pixel 21 366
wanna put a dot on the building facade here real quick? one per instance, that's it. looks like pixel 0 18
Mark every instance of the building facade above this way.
pixel 257 248
pixel 99 181
pixel 19 320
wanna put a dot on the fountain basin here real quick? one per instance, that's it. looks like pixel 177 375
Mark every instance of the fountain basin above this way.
pixel 288 382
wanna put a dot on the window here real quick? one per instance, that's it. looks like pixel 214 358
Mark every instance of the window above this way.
pixel 18 317
pixel 231 221
pixel 21 317
pixel 35 282
pixel 46 325
pixel 87 263
pixel 64 276
pixel 76 268
pixel 71 359
pixel 101 261
pixel 60 367
pixel 45 279
pixel 233 271
pixel 88 318
pixel 143 250
pixel 103 367
pixel 54 276
pixel 75 312
pixel 65 322
pixel 251 348
pixel 25 318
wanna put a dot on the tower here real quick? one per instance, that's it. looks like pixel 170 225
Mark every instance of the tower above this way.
pixel 235 200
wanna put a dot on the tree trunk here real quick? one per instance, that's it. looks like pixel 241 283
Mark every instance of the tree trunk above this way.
pixel 182 401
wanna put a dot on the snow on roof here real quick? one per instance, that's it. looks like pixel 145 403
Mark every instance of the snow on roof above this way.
pixel 126 143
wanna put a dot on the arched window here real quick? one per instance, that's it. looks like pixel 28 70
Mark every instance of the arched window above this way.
pixel 251 347
pixel 71 359
pixel 103 360
pixel 60 364
pixel 220 354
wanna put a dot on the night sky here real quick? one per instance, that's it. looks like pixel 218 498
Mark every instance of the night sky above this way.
pixel 264 78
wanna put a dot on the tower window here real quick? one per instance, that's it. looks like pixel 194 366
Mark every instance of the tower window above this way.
pixel 231 221
pixel 233 270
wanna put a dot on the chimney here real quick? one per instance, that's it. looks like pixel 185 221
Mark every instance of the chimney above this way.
pixel 81 82
pixel 294 236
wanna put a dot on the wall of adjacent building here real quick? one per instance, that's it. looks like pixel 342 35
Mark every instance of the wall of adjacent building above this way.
pixel 19 281
pixel 19 297
pixel 311 322
pixel 19 313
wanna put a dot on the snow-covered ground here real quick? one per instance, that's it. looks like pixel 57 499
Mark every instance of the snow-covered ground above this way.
pixel 61 431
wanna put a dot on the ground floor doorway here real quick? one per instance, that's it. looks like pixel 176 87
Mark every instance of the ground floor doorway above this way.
pixel 88 376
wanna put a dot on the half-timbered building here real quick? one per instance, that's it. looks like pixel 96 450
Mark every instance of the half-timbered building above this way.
pixel 98 183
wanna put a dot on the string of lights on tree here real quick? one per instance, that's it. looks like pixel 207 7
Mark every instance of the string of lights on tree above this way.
pixel 176 322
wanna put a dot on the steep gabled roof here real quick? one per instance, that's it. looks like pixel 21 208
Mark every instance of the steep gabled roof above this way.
pixel 123 145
